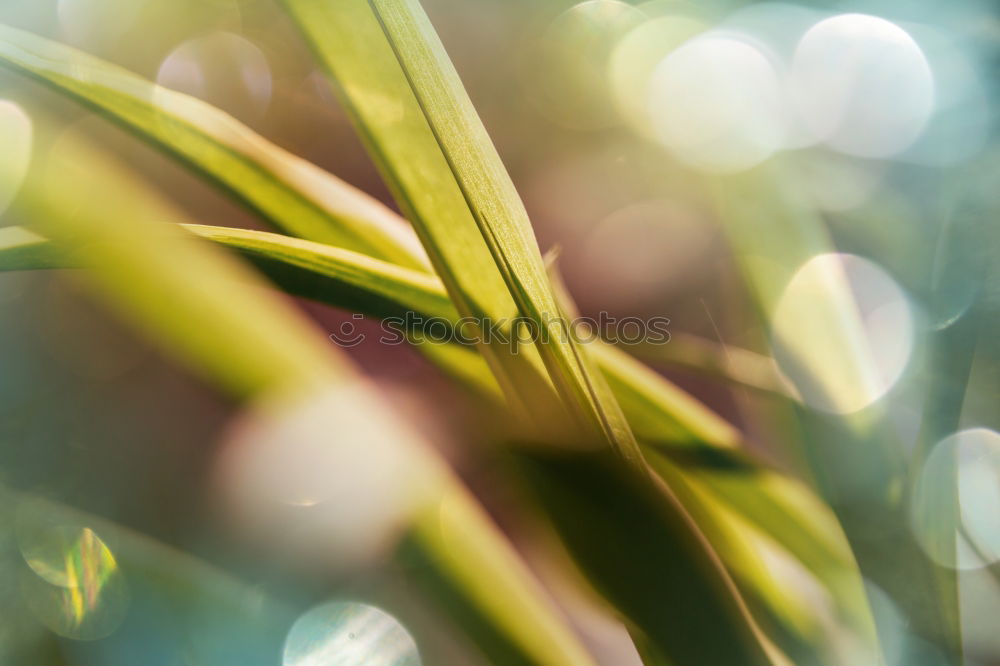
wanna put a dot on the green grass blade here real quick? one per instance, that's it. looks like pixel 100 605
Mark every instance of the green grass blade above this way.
pixel 332 268
pixel 741 367
pixel 450 182
pixel 139 266
pixel 251 342
pixel 358 283
pixel 23 250
pixel 773 504
pixel 289 192
pixel 737 544
pixel 855 456
pixel 792 516
pixel 497 210
pixel 657 410
pixel 632 547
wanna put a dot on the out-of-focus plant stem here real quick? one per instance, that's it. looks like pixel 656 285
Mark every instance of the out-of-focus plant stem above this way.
pixel 857 462
pixel 734 364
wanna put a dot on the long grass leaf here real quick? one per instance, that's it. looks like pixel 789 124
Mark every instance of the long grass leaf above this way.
pixel 271 180
pixel 289 192
pixel 657 410
pixel 251 342
pixel 738 545
pixel 629 547
pixel 781 508
pixel 854 454
pixel 773 504
pixel 463 208
pixel 737 365
pixel 498 211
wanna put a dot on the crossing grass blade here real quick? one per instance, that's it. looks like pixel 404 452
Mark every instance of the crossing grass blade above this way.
pixel 287 191
pixel 498 212
pixel 532 393
pixel 307 201
pixel 405 97
pixel 657 410
pixel 741 367
pixel 448 178
pixel 855 455
pixel 776 505
pixel 251 342
pixel 400 297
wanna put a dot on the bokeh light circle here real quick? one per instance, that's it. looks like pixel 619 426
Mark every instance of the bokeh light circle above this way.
pixel 966 466
pixel 862 85
pixel 328 475
pixel 346 633
pixel 636 56
pixel 224 69
pixel 842 332
pixel 73 584
pixel 716 103
pixel 565 70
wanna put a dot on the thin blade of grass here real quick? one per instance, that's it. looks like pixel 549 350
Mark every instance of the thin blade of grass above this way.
pixel 487 259
pixel 737 365
pixel 270 179
pixel 289 192
pixel 785 607
pixel 629 549
pixel 254 344
pixel 773 504
pixel 855 456
pixel 657 410
pixel 498 212
pixel 792 516
pixel 778 506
